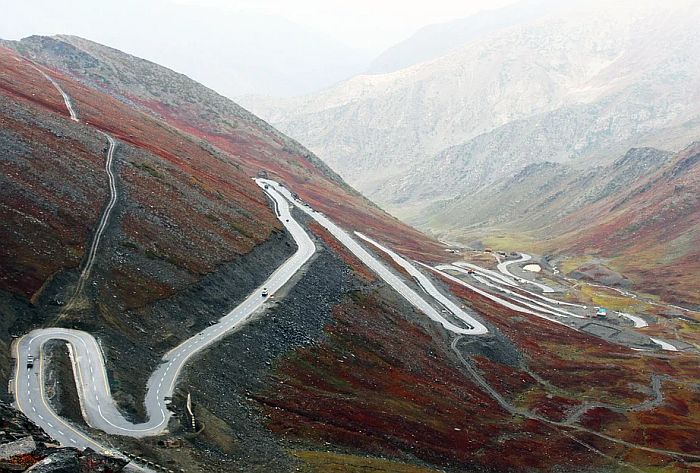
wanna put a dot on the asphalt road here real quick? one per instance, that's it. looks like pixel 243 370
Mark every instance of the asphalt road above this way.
pixel 468 325
pixel 97 404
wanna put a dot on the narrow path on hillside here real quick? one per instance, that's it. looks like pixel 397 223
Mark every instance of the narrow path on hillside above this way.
pixel 66 98
pixel 568 423
pixel 104 220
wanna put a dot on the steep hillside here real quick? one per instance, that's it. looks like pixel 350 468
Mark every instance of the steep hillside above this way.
pixel 335 369
pixel 186 215
pixel 201 112
pixel 578 86
pixel 433 41
pixel 649 231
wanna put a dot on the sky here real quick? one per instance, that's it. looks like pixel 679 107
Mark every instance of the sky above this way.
pixel 372 25
pixel 368 25
pixel 276 48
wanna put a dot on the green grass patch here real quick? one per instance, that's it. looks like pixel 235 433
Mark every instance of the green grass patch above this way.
pixel 149 169
pixel 511 242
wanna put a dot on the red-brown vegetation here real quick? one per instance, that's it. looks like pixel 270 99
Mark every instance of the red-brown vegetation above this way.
pixel 381 384
pixel 197 209
pixel 649 233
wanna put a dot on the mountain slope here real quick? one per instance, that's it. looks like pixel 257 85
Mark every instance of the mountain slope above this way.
pixel 638 215
pixel 199 111
pixel 436 40
pixel 542 193
pixel 649 231
pixel 338 371
pixel 578 86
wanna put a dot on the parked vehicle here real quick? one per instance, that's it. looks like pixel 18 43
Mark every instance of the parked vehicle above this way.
pixel 601 312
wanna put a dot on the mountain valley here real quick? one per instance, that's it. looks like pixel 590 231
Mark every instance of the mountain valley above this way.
pixel 167 253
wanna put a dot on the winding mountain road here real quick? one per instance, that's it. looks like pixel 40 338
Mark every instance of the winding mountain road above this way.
pixel 531 305
pixel 468 325
pixel 499 300
pixel 503 267
pixel 97 404
pixel 96 401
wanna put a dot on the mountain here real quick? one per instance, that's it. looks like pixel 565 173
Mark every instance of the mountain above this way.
pixel 543 193
pixel 199 111
pixel 647 229
pixel 235 52
pixel 131 227
pixel 637 215
pixel 580 86
pixel 433 41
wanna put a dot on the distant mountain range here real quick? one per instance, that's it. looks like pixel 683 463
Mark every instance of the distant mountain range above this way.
pixel 582 85
pixel 433 41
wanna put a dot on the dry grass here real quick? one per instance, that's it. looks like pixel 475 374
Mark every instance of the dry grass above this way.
pixel 329 462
